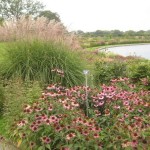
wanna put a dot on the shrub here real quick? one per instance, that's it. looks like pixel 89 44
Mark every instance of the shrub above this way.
pixel 139 70
pixel 44 61
pixel 96 44
pixel 106 70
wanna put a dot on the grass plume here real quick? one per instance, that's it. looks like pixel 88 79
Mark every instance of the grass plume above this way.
pixel 40 28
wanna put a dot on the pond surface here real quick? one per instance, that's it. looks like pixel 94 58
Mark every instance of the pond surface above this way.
pixel 132 50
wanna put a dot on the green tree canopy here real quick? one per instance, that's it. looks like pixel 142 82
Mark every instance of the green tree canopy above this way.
pixel 16 8
pixel 49 15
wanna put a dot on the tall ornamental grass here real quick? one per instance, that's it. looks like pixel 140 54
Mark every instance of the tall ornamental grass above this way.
pixel 40 28
pixel 42 61
pixel 2 97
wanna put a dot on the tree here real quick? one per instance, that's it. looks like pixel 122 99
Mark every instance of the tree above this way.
pixel 79 32
pixel 16 8
pixel 50 15
pixel 140 33
pixel 130 33
pixel 116 33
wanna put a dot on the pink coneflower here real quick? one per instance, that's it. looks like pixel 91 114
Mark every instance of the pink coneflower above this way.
pixel 114 80
pixel 100 145
pixel 27 106
pixel 34 128
pixel 46 140
pixel 140 110
pixel 38 122
pixel 44 117
pixel 121 119
pixel 53 70
pixel 38 109
pixel 130 109
pixel 22 123
pixel 118 137
pixel 48 121
pixel 28 110
pixel 101 103
pixel 126 115
pixel 57 120
pixel 23 135
pixel 83 97
pixel 51 87
pixel 138 119
pixel 85 132
pixel 32 144
pixel 74 104
pixel 70 136
pixel 95 100
pixel 134 143
pixel 53 118
pixel 63 101
pixel 116 107
pixel 110 95
pixel 1 138
pixel 90 129
pixel 100 97
pixel 50 108
pixel 85 122
pixel 97 113
pixel 68 127
pixel 97 129
pixel 135 135
pixel 89 124
pixel 132 86
pixel 126 103
pixel 79 120
pixel 58 128
pixel 66 106
pixel 125 144
pixel 51 94
pixel 107 112
pixel 96 135
pixel 42 97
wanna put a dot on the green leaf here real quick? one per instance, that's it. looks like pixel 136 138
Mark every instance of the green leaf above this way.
pixel 41 148
pixel 48 146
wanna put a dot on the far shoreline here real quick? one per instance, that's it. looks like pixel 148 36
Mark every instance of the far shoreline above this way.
pixel 99 48
pixel 122 45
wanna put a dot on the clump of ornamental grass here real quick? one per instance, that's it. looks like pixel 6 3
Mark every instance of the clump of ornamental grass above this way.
pixel 43 61
pixel 40 28
pixel 2 98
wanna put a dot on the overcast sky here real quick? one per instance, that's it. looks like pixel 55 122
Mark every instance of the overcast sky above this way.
pixel 92 15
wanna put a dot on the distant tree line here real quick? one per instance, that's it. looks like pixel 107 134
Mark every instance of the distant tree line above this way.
pixel 113 33
pixel 16 8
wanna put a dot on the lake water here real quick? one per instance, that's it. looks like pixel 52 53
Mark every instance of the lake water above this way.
pixel 133 50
